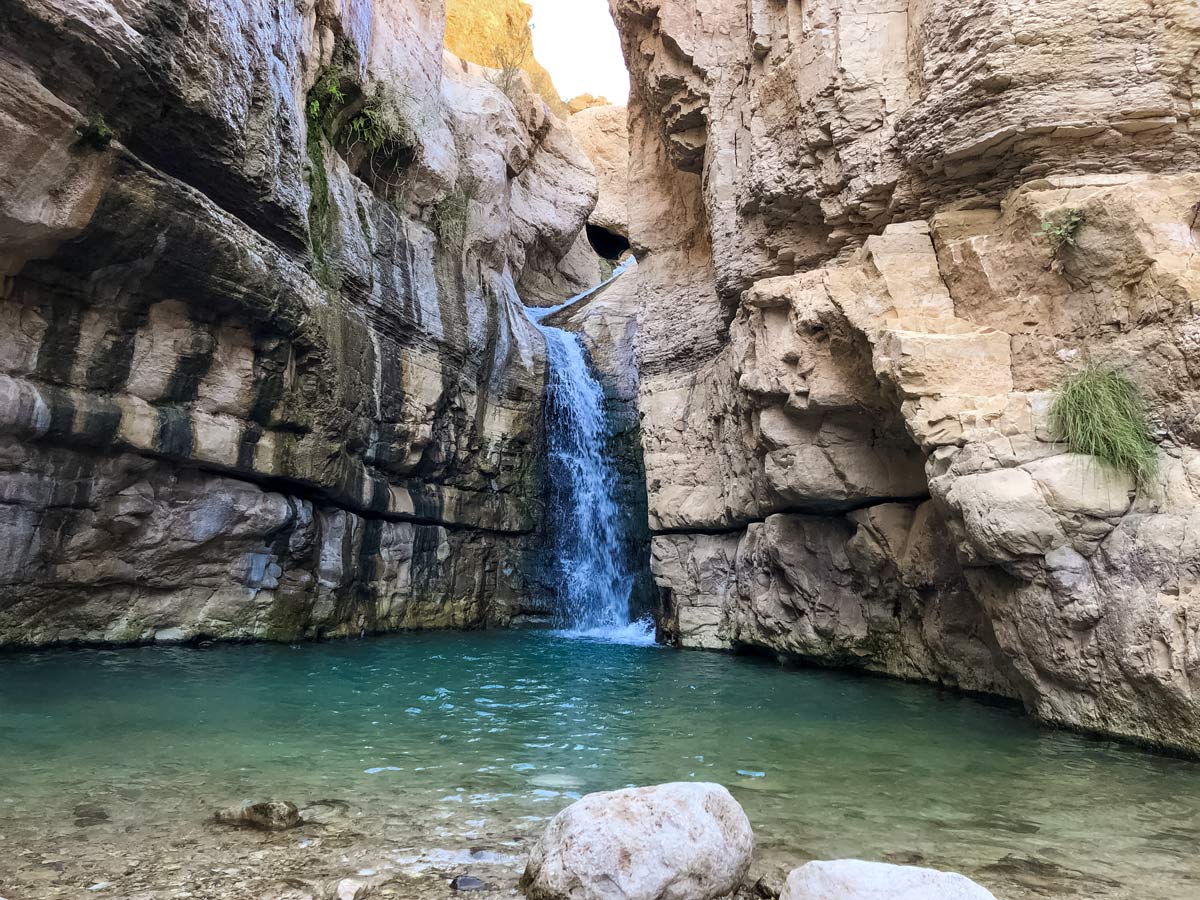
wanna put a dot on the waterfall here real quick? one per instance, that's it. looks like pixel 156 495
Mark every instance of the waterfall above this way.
pixel 590 572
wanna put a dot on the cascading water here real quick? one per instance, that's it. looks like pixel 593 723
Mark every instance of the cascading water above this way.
pixel 588 565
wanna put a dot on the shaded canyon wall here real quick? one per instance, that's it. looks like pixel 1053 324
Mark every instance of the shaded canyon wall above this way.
pixel 263 367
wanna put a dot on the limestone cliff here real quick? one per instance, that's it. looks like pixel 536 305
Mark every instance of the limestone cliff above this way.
pixel 852 324
pixel 263 368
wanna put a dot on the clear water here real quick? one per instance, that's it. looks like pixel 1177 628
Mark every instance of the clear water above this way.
pixel 591 578
pixel 468 742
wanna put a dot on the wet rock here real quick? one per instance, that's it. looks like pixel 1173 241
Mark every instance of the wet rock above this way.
pixel 678 841
pixel 271 815
pixel 467 883
pixel 87 814
pixel 854 879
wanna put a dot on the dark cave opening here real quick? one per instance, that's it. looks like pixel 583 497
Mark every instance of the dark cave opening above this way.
pixel 608 244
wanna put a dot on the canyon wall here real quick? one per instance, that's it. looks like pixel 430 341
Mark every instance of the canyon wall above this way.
pixel 852 323
pixel 263 366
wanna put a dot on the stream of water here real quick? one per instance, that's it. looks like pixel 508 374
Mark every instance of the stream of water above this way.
pixel 455 743
pixel 591 578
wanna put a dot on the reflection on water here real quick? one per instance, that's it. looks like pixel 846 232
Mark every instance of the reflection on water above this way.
pixel 471 733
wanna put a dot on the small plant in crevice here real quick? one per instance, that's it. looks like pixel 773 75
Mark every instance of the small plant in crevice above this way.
pixel 1061 229
pixel 449 217
pixel 325 96
pixel 1098 411
pixel 381 140
pixel 95 134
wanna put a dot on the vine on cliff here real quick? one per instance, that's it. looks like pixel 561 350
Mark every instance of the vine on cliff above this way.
pixel 323 101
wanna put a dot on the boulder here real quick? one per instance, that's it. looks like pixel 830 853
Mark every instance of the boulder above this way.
pixel 679 841
pixel 854 879
pixel 270 815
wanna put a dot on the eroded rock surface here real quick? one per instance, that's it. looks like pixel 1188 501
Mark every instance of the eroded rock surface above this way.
pixel 263 374
pixel 852 323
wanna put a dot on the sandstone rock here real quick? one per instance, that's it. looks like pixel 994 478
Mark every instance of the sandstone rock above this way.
pixel 668 842
pixel 852 879
pixel 581 102
pixel 269 815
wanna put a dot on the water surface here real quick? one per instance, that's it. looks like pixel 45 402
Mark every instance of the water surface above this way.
pixel 461 741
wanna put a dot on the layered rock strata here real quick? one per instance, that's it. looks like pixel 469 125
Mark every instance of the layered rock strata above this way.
pixel 853 321
pixel 263 367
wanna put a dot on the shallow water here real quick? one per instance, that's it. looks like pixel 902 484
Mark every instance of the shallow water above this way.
pixel 451 742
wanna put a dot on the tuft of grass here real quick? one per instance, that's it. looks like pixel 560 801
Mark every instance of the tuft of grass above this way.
pixel 1100 412
pixel 449 217
pixel 381 124
pixel 96 134
pixel 1062 228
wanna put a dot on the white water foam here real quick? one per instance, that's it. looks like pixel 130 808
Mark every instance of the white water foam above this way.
pixel 635 634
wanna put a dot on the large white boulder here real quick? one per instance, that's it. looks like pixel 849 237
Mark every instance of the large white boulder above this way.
pixel 853 879
pixel 679 841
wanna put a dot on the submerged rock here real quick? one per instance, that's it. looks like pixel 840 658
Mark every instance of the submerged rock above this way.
pixel 854 879
pixel 87 814
pixel 467 883
pixel 678 841
pixel 271 815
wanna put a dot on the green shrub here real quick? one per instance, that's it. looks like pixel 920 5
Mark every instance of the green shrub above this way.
pixel 96 134
pixel 1099 412
pixel 1062 229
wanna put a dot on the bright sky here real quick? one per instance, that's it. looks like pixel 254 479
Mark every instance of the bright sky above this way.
pixel 577 43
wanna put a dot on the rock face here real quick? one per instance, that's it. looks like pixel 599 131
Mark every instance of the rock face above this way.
pixel 681 841
pixel 603 134
pixel 263 368
pixel 852 323
pixel 853 879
